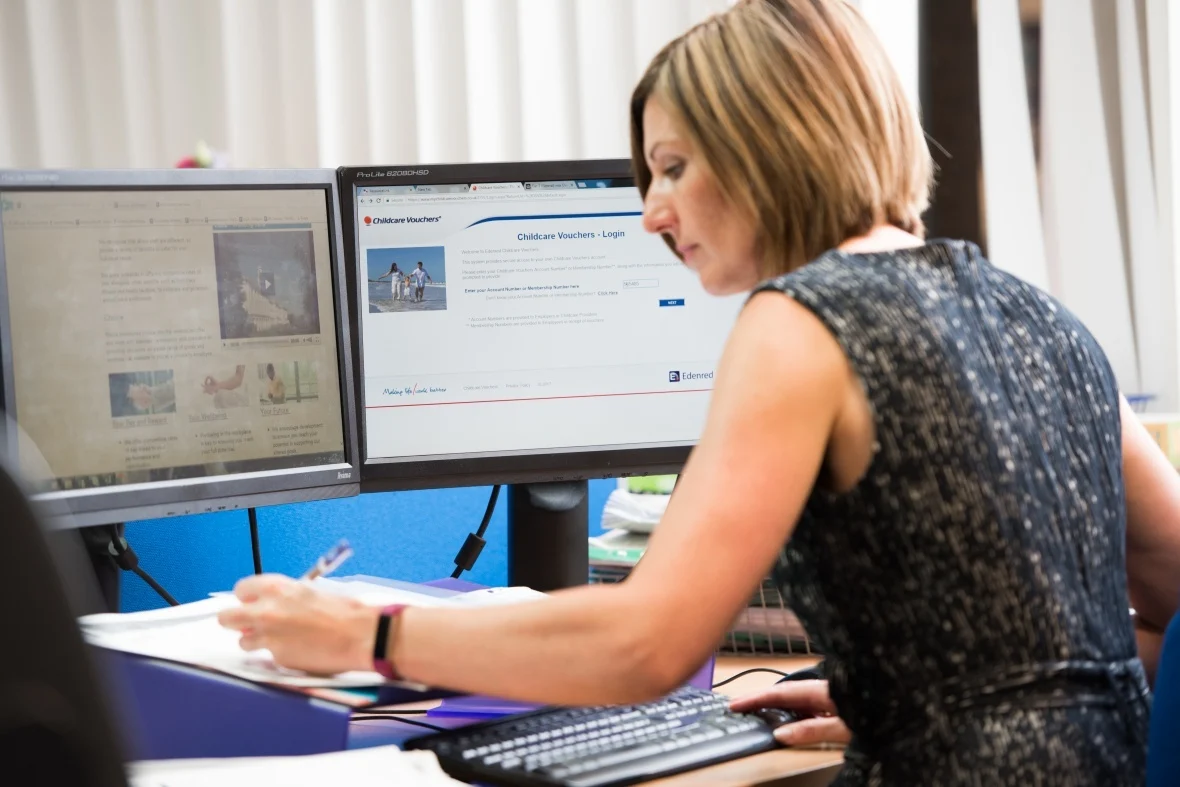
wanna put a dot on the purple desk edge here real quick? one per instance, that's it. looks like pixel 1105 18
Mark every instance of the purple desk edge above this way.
pixel 169 711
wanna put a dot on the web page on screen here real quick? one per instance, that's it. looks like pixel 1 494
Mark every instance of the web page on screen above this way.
pixel 502 318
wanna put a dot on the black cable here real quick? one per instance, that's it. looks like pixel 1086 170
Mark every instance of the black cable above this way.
pixel 381 712
pixel 126 559
pixel 255 548
pixel 403 720
pixel 743 673
pixel 164 594
pixel 469 552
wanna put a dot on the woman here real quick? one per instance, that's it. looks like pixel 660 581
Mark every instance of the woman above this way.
pixel 941 449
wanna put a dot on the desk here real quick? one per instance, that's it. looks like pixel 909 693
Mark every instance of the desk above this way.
pixel 783 767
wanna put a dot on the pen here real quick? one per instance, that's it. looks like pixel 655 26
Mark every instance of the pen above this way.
pixel 329 561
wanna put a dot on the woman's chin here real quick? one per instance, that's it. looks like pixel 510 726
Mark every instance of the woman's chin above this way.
pixel 721 286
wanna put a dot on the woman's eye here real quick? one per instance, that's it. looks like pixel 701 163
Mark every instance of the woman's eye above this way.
pixel 674 171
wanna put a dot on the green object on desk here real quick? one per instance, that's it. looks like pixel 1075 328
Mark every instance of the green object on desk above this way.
pixel 651 484
pixel 617 548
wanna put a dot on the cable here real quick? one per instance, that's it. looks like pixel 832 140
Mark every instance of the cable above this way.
pixel 126 559
pixel 403 720
pixel 743 673
pixel 471 548
pixel 164 594
pixel 255 549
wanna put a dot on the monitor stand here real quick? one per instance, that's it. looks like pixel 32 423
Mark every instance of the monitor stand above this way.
pixel 548 525
pixel 107 574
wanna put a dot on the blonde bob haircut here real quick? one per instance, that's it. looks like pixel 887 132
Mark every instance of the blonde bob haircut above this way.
pixel 797 113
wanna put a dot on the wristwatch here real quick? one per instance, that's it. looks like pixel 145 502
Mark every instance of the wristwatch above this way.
pixel 381 661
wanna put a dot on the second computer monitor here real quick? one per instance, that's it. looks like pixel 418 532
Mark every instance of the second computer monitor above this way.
pixel 518 324
pixel 174 341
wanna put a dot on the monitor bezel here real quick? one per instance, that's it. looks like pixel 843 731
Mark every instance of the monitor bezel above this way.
pixel 76 508
pixel 572 464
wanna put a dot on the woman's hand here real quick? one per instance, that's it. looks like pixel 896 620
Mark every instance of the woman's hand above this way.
pixel 303 628
pixel 807 698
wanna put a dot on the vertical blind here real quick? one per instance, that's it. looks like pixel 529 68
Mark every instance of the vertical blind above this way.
pixel 282 83
pixel 298 83
pixel 1093 220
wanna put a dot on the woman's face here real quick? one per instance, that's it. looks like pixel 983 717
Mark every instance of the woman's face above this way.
pixel 685 203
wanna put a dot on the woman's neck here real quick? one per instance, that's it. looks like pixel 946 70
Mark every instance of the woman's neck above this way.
pixel 883 237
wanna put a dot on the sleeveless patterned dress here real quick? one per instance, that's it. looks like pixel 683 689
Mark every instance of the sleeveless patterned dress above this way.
pixel 970 592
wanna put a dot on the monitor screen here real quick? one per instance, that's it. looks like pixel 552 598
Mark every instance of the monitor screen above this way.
pixel 173 335
pixel 518 322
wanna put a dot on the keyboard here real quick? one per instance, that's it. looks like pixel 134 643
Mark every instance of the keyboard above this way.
pixel 600 746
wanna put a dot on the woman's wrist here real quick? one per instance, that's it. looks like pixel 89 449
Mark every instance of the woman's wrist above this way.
pixel 363 630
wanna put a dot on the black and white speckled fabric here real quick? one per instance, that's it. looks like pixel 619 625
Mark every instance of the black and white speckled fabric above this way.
pixel 970 592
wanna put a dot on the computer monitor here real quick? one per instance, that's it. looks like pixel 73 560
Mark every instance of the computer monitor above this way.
pixel 553 338
pixel 173 341
pixel 517 324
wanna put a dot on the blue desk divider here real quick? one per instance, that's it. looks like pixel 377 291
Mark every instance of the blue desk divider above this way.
pixel 169 711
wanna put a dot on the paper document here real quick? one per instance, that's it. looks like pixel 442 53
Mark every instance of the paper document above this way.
pixel 190 633
pixel 376 767
pixel 379 594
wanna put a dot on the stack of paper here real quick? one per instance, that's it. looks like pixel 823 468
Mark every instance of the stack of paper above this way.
pixel 190 633
pixel 614 554
pixel 383 765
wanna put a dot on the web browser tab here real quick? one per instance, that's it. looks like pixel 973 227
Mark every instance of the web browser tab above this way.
pixel 550 185
pixel 458 188
pixel 483 188
pixel 372 190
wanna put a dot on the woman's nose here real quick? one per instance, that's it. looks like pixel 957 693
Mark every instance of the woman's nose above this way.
pixel 658 217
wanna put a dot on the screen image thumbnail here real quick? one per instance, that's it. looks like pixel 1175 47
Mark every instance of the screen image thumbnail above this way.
pixel 407 279
pixel 142 393
pixel 266 284
pixel 288 382
pixel 225 388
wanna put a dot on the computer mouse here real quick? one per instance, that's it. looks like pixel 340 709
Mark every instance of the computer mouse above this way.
pixel 776 717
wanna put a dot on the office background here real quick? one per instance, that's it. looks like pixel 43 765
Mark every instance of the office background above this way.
pixel 284 83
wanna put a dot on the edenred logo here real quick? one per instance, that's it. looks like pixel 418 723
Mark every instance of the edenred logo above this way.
pixel 368 219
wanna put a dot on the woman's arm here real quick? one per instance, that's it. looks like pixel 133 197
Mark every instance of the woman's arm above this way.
pixel 1153 534
pixel 777 395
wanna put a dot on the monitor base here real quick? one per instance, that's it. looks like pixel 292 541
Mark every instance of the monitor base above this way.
pixel 548 525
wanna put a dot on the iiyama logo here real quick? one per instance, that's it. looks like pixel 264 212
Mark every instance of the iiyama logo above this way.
pixel 29 177
pixel 342 475
pixel 392 173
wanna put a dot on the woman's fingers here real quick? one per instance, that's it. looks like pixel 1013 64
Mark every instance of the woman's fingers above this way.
pixel 237 618
pixel 822 729
pixel 250 641
pixel 260 597
pixel 259 586
pixel 804 696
